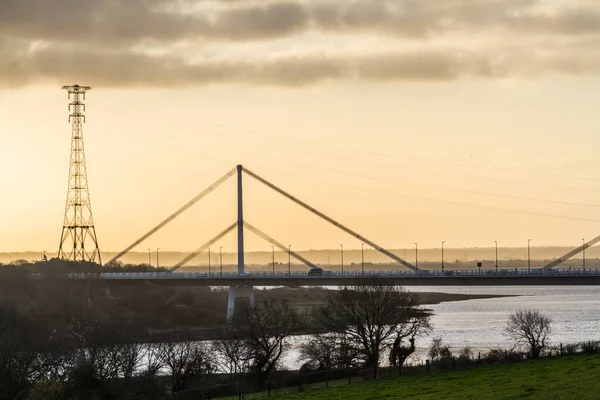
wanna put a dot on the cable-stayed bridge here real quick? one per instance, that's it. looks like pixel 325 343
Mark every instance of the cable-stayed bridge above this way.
pixel 242 282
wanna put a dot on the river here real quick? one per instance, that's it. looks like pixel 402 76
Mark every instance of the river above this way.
pixel 575 311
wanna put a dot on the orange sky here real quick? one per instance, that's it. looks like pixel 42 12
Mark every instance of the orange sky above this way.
pixel 403 148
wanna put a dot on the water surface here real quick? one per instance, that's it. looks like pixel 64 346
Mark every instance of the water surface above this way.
pixel 479 324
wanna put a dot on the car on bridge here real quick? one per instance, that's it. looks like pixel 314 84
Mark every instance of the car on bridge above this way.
pixel 319 272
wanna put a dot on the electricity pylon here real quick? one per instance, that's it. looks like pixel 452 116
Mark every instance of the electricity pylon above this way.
pixel 78 227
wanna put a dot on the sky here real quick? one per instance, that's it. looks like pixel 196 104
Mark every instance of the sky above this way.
pixel 409 121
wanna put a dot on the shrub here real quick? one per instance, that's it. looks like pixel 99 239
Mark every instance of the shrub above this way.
pixel 590 347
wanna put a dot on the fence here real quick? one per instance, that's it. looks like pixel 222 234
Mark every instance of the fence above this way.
pixel 289 382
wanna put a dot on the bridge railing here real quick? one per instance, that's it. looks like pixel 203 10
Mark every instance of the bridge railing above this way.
pixel 332 274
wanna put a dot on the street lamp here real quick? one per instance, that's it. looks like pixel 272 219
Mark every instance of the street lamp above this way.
pixel 209 262
pixel 221 259
pixel 342 257
pixel 416 255
pixel 362 252
pixel 273 257
pixel 157 257
pixel 496 242
pixel 528 256
pixel 289 260
pixel 583 240
pixel 443 255
pixel 149 261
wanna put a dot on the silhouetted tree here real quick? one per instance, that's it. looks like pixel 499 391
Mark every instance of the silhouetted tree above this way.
pixel 328 351
pixel 465 354
pixel 183 360
pixel 438 350
pixel 529 328
pixel 231 353
pixel 416 326
pixel 20 356
pixel 100 363
pixel 264 330
pixel 371 314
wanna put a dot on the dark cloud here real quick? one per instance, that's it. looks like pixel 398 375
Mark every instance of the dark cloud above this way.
pixel 99 42
pixel 20 67
pixel 122 22
pixel 125 22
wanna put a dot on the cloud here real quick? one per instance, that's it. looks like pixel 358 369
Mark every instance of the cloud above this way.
pixel 166 43
pixel 126 69
pixel 122 22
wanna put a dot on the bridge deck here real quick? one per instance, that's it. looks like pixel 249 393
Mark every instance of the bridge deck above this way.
pixel 329 278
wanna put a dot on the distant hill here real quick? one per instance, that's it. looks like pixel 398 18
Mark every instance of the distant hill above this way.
pixel 332 257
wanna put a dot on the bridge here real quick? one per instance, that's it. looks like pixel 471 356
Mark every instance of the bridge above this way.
pixel 336 278
pixel 241 283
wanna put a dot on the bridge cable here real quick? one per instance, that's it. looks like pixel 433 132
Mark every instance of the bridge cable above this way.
pixel 203 247
pixel 176 213
pixel 281 246
pixel 332 221
pixel 571 253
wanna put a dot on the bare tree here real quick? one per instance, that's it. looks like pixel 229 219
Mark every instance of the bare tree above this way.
pixel 21 356
pixel 372 313
pixel 465 354
pixel 184 360
pixel 328 351
pixel 264 331
pixel 319 352
pixel 438 350
pixel 98 361
pixel 416 326
pixel 231 353
pixel 154 360
pixel 529 328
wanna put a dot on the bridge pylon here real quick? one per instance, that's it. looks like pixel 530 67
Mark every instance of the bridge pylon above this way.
pixel 236 292
pixel 240 220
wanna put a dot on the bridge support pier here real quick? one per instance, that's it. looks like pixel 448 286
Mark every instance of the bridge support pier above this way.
pixel 236 292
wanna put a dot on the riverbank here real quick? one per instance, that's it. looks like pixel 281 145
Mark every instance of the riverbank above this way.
pixel 304 299
pixel 147 312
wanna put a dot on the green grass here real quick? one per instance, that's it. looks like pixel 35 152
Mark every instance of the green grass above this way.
pixel 573 377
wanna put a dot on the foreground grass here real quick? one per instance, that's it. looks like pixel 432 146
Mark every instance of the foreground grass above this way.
pixel 573 377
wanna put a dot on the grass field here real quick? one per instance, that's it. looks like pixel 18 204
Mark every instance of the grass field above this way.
pixel 572 377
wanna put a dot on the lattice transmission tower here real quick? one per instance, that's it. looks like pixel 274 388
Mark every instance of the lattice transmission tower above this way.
pixel 78 241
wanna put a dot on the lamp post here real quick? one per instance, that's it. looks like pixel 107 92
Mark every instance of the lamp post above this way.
pixel 583 240
pixel 362 256
pixel 416 255
pixel 342 257
pixel 289 260
pixel 273 257
pixel 209 262
pixel 443 255
pixel 157 257
pixel 496 242
pixel 528 256
pixel 221 259
pixel 149 260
